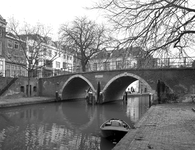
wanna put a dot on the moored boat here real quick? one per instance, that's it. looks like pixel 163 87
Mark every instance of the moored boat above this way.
pixel 114 128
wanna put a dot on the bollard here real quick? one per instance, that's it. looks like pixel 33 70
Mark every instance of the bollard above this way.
pixel 150 100
pixel 57 96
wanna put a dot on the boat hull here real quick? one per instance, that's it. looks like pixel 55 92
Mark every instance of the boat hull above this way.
pixel 113 134
pixel 114 129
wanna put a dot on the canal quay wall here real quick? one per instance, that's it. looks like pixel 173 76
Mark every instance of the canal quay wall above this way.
pixel 164 126
pixel 13 88
pixel 25 101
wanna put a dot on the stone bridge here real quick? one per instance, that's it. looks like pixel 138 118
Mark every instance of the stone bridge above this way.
pixel 112 84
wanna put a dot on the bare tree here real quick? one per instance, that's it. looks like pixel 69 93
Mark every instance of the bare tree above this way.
pixel 155 25
pixel 85 38
pixel 32 40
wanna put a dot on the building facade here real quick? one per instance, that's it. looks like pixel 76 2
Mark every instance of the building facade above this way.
pixel 12 58
pixel 133 57
pixel 52 59
pixel 2 45
pixel 15 58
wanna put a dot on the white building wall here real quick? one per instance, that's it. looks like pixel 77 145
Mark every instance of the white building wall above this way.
pixel 2 67
pixel 57 57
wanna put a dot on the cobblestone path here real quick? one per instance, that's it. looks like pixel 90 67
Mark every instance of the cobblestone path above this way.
pixel 163 127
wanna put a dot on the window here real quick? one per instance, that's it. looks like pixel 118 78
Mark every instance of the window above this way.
pixel 119 64
pixel 7 70
pixel 9 43
pixel 41 61
pixel 23 72
pixel 106 65
pixel 48 63
pixel 57 64
pixel 34 89
pixel 1 66
pixel 64 56
pixel 1 32
pixel 12 71
pixel 95 66
pixel 22 89
pixel 16 45
pixel 7 66
pixel 64 65
pixel 1 49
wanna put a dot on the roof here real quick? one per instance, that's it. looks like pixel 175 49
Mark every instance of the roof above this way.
pixel 13 37
pixel 103 54
pixel 2 20
pixel 123 52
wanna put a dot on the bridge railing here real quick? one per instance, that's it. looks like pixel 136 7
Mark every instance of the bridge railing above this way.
pixel 186 62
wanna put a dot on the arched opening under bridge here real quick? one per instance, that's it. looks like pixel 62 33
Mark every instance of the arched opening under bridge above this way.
pixel 75 88
pixel 115 88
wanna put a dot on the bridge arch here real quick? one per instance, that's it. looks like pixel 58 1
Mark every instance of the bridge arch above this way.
pixel 75 87
pixel 122 81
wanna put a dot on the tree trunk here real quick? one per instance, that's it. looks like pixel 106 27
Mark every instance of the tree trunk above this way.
pixel 83 68
pixel 28 84
pixel 83 65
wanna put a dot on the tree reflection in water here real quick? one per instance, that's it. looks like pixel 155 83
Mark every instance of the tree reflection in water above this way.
pixel 68 125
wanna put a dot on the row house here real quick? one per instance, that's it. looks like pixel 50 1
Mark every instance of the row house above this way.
pixel 53 59
pixel 133 57
pixel 2 45
pixel 12 58
pixel 16 55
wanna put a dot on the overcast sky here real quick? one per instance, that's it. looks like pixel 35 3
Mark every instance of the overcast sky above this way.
pixel 51 13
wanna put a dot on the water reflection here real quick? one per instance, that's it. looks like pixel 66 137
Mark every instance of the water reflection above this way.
pixel 136 107
pixel 71 125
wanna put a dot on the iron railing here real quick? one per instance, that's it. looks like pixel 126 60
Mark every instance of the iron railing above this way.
pixel 185 62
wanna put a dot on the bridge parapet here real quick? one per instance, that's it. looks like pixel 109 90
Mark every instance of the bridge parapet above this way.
pixel 155 63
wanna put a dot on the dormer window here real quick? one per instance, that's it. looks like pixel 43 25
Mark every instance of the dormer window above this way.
pixel 16 45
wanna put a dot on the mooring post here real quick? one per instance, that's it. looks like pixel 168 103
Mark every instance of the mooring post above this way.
pixel 57 96
pixel 159 91
pixel 98 92
pixel 150 100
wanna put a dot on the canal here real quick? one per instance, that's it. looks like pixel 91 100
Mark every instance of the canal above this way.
pixel 70 125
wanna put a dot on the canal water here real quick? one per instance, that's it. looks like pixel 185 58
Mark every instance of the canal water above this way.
pixel 70 125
